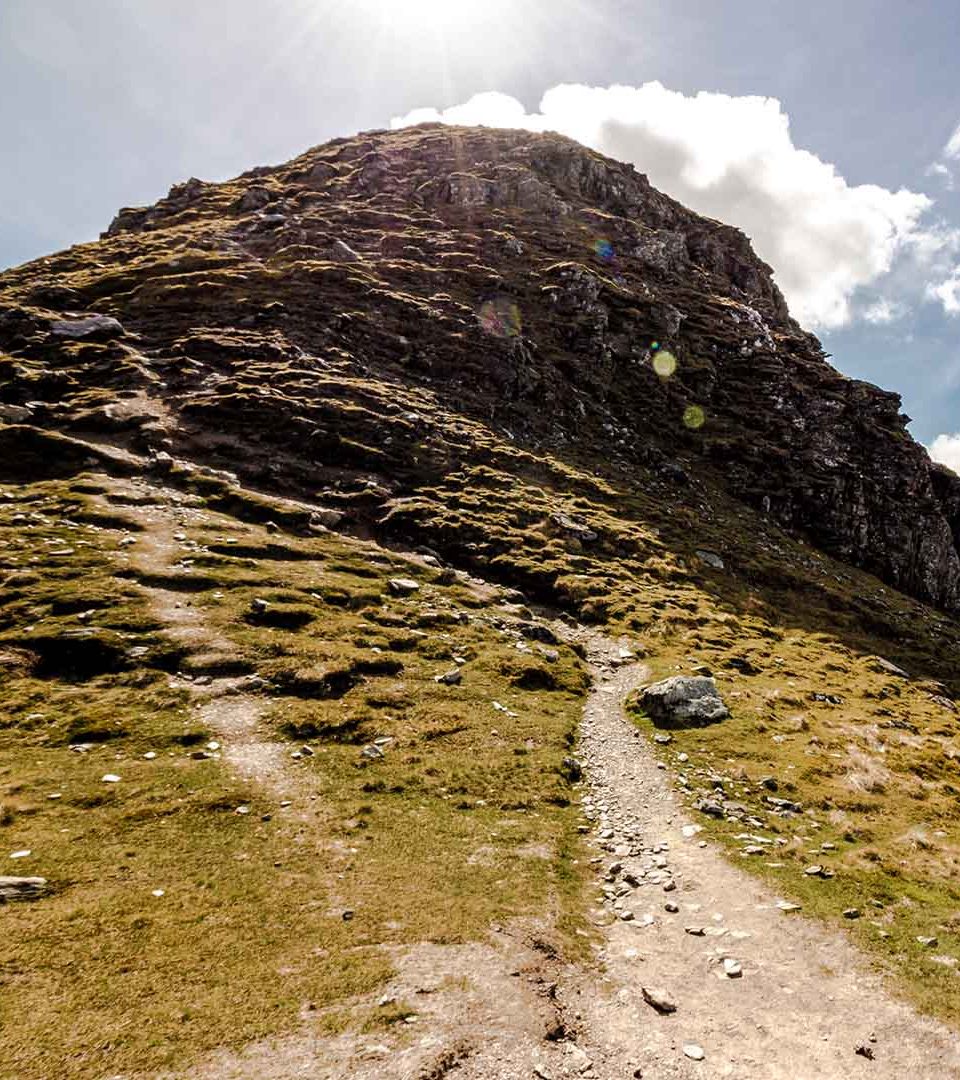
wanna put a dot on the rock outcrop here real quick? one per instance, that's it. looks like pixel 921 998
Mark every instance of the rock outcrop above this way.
pixel 522 280
pixel 683 701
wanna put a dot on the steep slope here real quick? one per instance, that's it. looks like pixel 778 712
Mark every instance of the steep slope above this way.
pixel 279 453
pixel 528 281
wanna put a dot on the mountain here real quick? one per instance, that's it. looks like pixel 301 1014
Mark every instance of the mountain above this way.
pixel 336 488
pixel 522 281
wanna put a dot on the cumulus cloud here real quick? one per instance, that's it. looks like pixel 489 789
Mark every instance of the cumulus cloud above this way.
pixel 947 292
pixel 946 450
pixel 732 158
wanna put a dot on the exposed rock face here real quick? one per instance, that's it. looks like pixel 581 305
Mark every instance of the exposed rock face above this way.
pixel 531 283
pixel 683 702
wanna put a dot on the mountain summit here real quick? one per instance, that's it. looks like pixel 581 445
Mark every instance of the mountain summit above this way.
pixel 521 279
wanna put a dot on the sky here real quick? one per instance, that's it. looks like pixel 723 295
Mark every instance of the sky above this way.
pixel 830 133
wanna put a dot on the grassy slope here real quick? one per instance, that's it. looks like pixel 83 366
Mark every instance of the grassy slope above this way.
pixel 877 772
pixel 443 836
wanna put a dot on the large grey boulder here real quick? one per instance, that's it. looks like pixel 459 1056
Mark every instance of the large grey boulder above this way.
pixel 683 701
pixel 92 326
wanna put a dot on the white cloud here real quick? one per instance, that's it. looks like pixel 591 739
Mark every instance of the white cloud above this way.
pixel 946 450
pixel 952 149
pixel 732 158
pixel 883 311
pixel 941 171
pixel 947 292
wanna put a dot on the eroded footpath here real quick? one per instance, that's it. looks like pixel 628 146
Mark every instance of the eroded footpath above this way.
pixel 762 992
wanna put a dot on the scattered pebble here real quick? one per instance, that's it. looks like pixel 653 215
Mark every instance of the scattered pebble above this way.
pixel 694 1051
pixel 659 999
pixel 21 854
pixel 110 778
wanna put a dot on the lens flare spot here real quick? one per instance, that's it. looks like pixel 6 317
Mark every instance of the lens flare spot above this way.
pixel 694 417
pixel 664 363
pixel 654 345
pixel 501 318
pixel 603 249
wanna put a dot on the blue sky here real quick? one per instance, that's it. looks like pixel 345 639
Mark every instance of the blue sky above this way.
pixel 108 103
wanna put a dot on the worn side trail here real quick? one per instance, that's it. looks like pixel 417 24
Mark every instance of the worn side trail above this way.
pixel 227 706
pixel 805 999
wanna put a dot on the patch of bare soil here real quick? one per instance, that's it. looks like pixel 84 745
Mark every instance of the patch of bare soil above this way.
pixel 465 1011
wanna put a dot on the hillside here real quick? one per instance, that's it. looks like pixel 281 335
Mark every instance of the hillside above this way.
pixel 331 496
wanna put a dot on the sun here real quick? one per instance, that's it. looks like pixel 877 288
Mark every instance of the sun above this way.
pixel 440 14
pixel 426 7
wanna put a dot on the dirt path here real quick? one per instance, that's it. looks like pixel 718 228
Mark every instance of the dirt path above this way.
pixel 504 1010
pixel 799 1005
pixel 223 705
pixel 805 1000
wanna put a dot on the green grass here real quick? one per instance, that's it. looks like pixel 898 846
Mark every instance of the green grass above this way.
pixel 447 832
pixel 878 773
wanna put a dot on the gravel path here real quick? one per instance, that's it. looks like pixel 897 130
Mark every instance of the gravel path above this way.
pixel 805 1000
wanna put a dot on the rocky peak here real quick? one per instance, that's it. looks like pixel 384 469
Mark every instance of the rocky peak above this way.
pixel 516 279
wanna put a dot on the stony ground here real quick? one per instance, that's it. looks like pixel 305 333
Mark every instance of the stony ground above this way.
pixel 762 992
